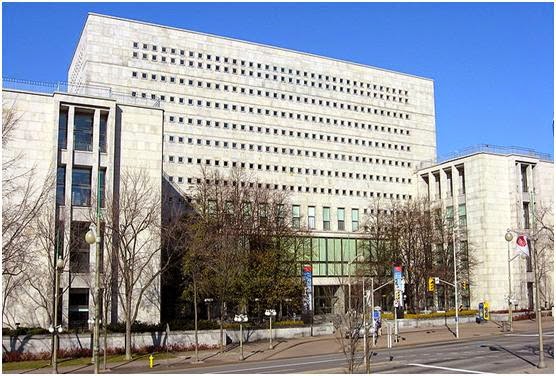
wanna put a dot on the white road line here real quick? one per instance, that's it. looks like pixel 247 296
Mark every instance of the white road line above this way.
pixel 446 368
pixel 282 370
pixel 529 335
pixel 277 366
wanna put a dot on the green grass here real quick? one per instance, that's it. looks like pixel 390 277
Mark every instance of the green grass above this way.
pixel 45 364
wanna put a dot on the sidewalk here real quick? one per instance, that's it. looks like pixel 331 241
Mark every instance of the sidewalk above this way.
pixel 306 346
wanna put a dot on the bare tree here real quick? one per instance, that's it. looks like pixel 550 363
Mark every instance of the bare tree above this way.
pixel 132 223
pixel 52 242
pixel 24 195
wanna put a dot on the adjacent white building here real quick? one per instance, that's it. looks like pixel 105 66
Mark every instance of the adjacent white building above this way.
pixel 488 190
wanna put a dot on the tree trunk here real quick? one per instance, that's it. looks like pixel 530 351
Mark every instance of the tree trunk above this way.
pixel 128 330
pixel 196 321
pixel 222 326
pixel 105 335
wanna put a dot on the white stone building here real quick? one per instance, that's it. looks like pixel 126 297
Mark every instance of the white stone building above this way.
pixel 334 134
pixel 489 190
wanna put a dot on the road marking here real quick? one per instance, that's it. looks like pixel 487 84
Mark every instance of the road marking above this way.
pixel 277 366
pixel 529 335
pixel 446 368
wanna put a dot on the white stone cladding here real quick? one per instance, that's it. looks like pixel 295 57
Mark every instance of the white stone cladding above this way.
pixel 494 199
pixel 133 140
pixel 108 45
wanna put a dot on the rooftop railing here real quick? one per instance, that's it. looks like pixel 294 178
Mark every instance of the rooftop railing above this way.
pixel 78 89
pixel 491 149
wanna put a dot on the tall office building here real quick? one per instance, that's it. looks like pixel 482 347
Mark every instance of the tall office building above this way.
pixel 334 134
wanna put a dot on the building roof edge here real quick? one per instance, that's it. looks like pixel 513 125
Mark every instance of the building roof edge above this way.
pixel 258 44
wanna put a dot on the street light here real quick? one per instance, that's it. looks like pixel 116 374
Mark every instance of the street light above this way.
pixel 56 328
pixel 208 302
pixel 92 237
pixel 270 313
pixel 509 238
pixel 359 258
pixel 241 318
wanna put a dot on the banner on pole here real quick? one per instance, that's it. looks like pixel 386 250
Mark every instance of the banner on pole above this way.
pixel 308 281
pixel 522 246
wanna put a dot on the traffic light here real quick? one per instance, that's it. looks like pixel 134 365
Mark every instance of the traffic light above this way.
pixel 431 284
pixel 464 285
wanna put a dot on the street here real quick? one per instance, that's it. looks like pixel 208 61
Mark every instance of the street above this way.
pixel 508 353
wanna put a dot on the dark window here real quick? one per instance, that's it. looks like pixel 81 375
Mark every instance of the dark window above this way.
pixel 83 131
pixel 63 129
pixel 79 248
pixel 526 222
pixel 102 187
pixel 78 314
pixel 102 136
pixel 524 185
pixel 61 185
pixel 81 187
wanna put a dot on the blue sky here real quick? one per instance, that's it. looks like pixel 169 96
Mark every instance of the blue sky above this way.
pixel 493 64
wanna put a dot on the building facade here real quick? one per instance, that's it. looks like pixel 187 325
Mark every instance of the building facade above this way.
pixel 67 142
pixel 333 134
pixel 487 191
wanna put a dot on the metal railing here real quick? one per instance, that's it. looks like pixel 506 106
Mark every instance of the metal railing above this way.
pixel 487 148
pixel 78 89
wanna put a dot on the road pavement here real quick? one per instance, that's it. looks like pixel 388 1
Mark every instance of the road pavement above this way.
pixel 481 348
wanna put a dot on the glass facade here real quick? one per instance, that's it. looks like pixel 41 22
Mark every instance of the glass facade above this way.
pixel 83 130
pixel 61 185
pixel 63 128
pixel 79 248
pixel 81 187
pixel 102 187
pixel 330 256
pixel 102 135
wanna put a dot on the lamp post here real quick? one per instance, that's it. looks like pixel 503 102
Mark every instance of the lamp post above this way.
pixel 509 238
pixel 92 237
pixel 270 313
pixel 55 329
pixel 208 302
pixel 288 301
pixel 241 318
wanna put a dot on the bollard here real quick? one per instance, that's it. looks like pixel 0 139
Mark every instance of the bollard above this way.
pixel 151 361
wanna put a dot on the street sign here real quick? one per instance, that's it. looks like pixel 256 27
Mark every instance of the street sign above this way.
pixel 436 280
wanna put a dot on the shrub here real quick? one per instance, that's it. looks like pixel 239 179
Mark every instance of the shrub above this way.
pixel 288 323
pixel 21 331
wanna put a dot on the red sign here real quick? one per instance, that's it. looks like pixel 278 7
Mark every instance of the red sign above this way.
pixel 308 268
